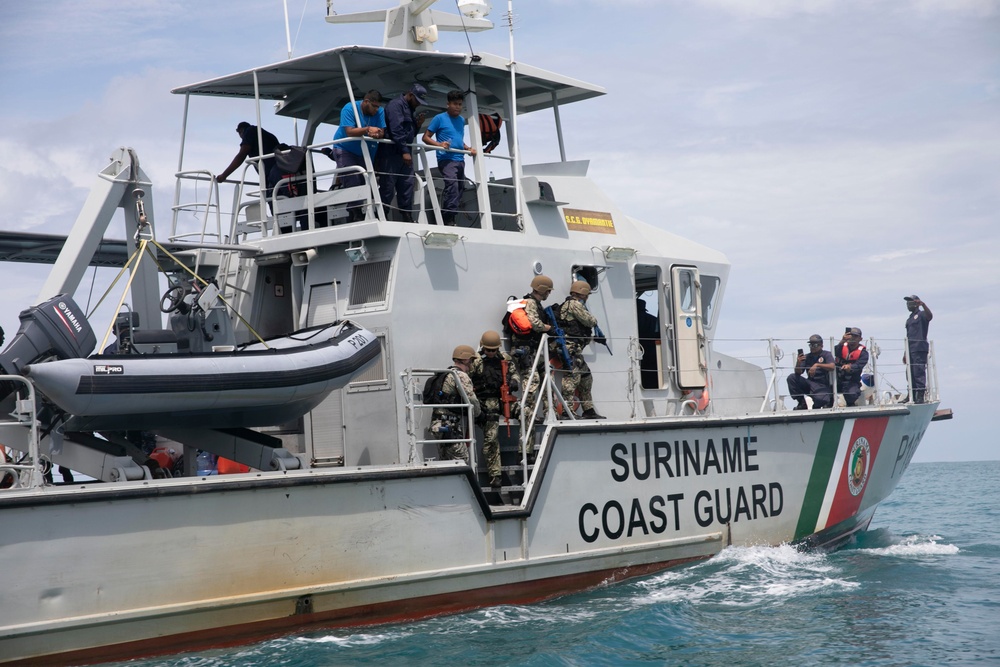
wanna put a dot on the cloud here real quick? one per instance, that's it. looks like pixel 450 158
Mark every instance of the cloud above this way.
pixel 770 9
pixel 895 254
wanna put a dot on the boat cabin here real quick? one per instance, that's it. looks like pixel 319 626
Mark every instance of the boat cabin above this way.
pixel 424 287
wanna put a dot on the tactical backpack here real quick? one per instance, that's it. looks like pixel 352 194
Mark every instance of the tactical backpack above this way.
pixel 433 394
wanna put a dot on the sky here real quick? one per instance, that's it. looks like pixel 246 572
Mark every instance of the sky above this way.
pixel 842 153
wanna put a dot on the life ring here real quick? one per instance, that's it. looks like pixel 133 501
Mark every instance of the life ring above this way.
pixel 701 402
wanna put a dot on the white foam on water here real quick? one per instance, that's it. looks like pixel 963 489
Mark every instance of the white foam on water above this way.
pixel 746 576
pixel 508 615
pixel 915 545
pixel 357 639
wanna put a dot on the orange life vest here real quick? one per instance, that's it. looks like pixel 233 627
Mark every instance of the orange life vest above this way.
pixel 489 129
pixel 517 318
pixel 847 355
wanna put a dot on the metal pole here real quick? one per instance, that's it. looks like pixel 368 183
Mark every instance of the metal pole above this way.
pixel 559 133
pixel 909 366
pixel 180 166
pixel 516 164
pixel 288 44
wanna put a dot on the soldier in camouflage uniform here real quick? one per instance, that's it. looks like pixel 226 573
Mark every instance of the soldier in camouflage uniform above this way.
pixel 578 324
pixel 487 376
pixel 448 423
pixel 525 348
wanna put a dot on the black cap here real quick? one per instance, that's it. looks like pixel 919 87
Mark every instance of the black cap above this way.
pixel 419 92
pixel 912 297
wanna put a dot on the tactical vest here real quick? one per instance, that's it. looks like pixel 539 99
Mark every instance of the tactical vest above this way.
pixel 487 384
pixel 573 328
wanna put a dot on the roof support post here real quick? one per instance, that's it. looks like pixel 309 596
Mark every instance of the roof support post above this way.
pixel 559 132
pixel 479 161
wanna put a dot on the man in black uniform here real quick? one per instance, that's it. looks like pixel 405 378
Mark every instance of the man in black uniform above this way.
pixel 395 161
pixel 249 147
pixel 817 364
pixel 916 345
pixel 852 357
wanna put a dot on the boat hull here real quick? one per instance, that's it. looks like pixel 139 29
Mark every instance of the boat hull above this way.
pixel 182 564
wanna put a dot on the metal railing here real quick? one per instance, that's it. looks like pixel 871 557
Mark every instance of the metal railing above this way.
pixel 263 210
pixel 28 474
pixel 417 426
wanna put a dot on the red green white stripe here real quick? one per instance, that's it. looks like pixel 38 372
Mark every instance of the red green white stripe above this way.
pixel 845 455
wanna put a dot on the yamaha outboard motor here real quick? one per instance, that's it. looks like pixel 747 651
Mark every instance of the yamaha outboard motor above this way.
pixel 56 328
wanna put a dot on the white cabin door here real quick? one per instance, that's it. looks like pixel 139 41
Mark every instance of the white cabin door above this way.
pixel 325 424
pixel 689 334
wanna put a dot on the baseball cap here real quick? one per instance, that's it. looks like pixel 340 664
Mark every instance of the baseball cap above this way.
pixel 815 338
pixel 856 332
pixel 912 297
pixel 419 92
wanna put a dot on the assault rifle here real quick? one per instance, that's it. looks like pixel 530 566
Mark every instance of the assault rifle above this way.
pixel 599 337
pixel 505 398
pixel 560 337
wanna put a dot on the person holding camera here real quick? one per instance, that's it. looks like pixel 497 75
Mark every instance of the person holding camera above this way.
pixel 852 357
pixel 817 365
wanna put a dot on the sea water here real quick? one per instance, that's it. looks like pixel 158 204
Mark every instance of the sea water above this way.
pixel 921 587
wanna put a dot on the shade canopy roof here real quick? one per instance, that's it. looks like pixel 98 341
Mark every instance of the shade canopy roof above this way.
pixel 313 87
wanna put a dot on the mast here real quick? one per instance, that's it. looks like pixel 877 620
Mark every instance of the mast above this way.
pixel 515 148
pixel 412 26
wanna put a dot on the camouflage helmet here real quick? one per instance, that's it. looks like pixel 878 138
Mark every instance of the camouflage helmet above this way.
pixel 581 287
pixel 490 340
pixel 463 353
pixel 540 283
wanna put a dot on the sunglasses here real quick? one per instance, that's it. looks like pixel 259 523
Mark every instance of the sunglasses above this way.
pixel 815 344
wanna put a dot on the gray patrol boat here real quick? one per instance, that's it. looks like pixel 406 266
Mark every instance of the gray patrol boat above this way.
pixel 346 515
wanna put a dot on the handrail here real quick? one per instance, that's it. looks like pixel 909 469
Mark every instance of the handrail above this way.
pixel 26 476
pixel 204 208
pixel 880 372
pixel 409 378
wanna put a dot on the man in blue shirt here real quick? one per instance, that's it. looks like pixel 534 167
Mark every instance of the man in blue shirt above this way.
pixel 916 344
pixel 395 166
pixel 447 131
pixel 817 366
pixel 361 119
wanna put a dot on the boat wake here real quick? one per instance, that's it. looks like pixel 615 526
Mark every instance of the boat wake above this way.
pixel 353 640
pixel 883 542
pixel 747 576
